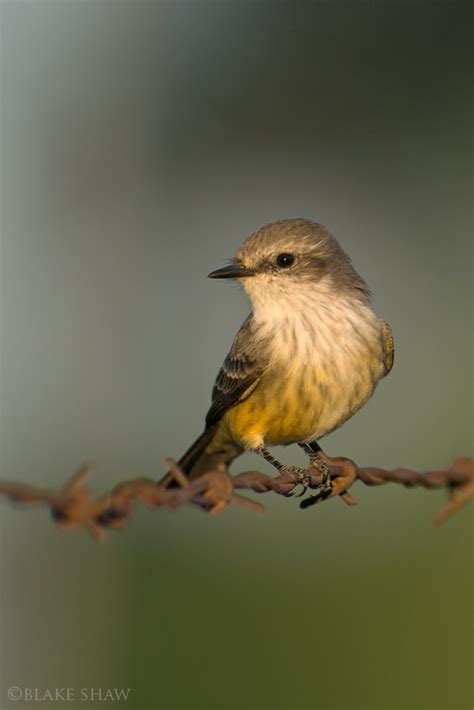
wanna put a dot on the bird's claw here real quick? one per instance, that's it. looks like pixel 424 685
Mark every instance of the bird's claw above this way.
pixel 302 478
pixel 325 486
pixel 324 491
pixel 303 491
pixel 292 494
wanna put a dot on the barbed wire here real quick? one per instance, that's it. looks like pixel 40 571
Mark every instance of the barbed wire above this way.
pixel 73 507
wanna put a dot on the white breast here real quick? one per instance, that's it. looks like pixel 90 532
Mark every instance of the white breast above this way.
pixel 326 344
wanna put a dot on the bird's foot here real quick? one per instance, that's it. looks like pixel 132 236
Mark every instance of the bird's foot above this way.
pixel 324 485
pixel 332 477
pixel 300 476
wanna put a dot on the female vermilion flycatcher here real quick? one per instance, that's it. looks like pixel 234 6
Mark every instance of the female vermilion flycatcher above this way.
pixel 307 357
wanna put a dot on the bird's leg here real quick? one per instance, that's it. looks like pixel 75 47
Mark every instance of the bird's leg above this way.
pixel 313 450
pixel 300 474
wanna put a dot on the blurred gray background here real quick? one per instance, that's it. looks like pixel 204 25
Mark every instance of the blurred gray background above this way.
pixel 141 143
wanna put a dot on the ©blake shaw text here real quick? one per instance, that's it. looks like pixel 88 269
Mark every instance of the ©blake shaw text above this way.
pixel 111 695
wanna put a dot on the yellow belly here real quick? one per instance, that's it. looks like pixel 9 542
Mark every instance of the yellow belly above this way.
pixel 300 404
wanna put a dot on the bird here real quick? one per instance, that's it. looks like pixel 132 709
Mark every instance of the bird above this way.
pixel 307 358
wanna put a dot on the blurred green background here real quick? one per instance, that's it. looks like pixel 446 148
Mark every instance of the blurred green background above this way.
pixel 141 143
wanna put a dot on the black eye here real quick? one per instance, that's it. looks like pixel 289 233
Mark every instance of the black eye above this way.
pixel 285 260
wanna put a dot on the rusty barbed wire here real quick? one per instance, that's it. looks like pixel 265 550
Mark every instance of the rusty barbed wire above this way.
pixel 74 507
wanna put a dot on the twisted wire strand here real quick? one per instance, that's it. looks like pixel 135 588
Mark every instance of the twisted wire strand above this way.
pixel 74 507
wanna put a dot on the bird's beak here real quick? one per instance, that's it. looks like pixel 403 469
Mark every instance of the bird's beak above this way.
pixel 233 271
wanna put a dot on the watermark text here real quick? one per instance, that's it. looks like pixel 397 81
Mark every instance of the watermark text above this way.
pixel 64 695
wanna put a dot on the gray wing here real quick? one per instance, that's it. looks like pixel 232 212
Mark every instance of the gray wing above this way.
pixel 240 373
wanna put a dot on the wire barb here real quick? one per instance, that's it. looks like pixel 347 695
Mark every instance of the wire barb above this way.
pixel 73 507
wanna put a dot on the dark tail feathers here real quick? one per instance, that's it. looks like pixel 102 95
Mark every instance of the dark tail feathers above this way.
pixel 191 457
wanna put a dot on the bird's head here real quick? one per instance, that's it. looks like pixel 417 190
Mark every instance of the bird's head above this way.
pixel 285 257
